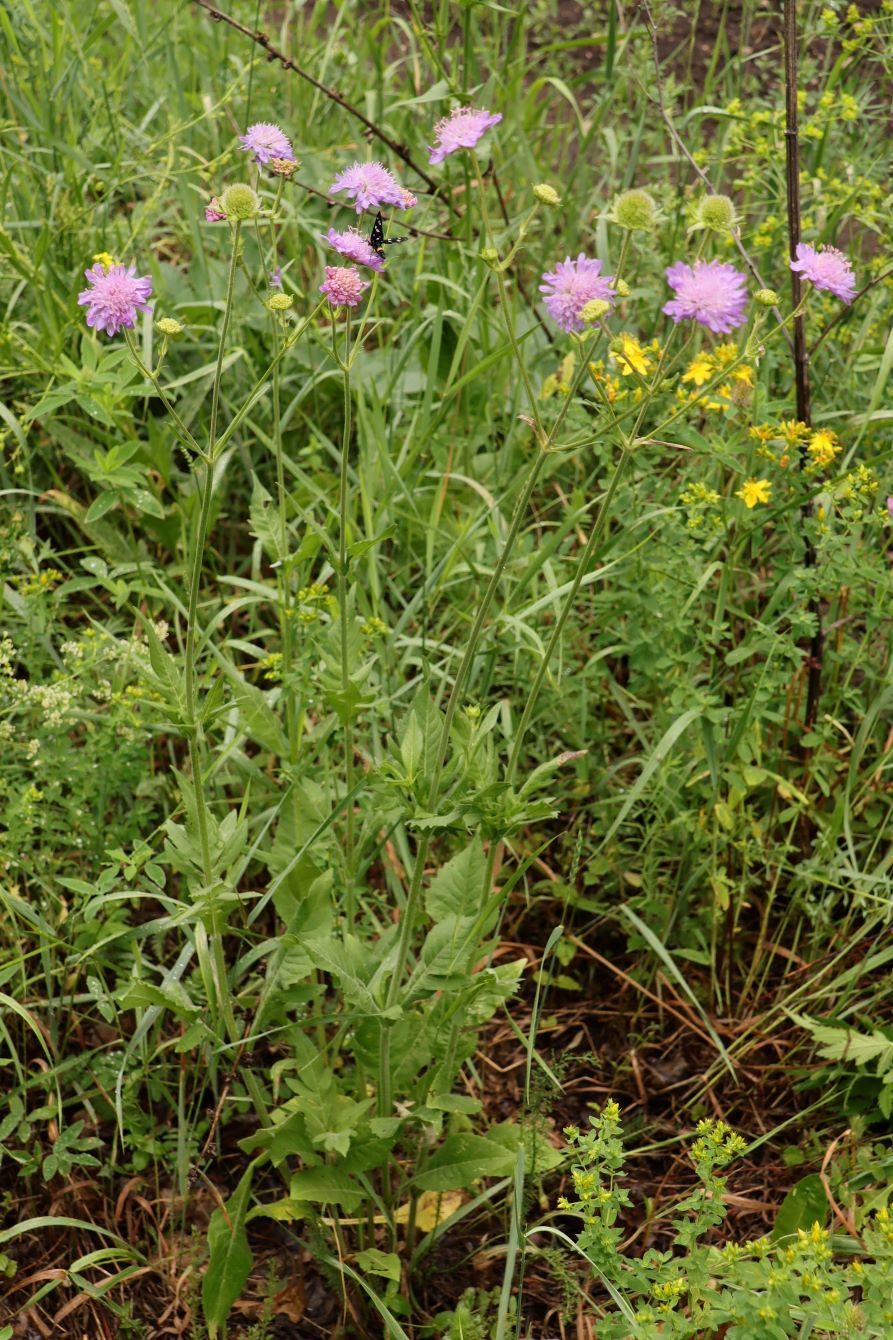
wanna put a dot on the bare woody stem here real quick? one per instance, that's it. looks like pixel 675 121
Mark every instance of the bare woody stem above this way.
pixel 801 355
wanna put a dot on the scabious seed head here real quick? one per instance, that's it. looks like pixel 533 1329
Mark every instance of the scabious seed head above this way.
pixel 622 287
pixel 766 297
pixel 168 325
pixel 343 286
pixel 279 302
pixel 594 310
pixel 716 213
pixel 546 194
pixel 240 202
pixel 635 210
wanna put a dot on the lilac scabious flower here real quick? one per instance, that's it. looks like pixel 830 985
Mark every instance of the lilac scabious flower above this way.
pixel 115 297
pixel 461 130
pixel 266 142
pixel 369 186
pixel 344 286
pixel 276 277
pixel 571 285
pixel 355 247
pixel 828 269
pixel 213 212
pixel 712 293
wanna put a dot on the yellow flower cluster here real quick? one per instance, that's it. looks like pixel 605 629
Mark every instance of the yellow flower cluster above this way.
pixel 776 443
pixel 706 367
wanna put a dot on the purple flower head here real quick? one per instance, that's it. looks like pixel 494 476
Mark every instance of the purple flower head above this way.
pixel 828 269
pixel 344 285
pixel 712 293
pixel 276 277
pixel 890 507
pixel 571 285
pixel 409 200
pixel 355 247
pixel 267 141
pixel 461 130
pixel 213 212
pixel 115 297
pixel 369 186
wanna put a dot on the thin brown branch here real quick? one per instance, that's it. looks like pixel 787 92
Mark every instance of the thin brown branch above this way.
pixel 274 54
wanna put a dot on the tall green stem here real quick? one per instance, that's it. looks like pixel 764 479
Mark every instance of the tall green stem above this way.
pixel 344 621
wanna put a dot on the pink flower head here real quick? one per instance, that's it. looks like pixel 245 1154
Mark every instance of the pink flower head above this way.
pixel 115 297
pixel 409 200
pixel 213 212
pixel 344 285
pixel 369 186
pixel 461 130
pixel 828 269
pixel 276 277
pixel 355 247
pixel 571 285
pixel 890 507
pixel 712 293
pixel 267 141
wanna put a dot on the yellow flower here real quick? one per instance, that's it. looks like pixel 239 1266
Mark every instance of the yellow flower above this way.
pixel 725 353
pixel 744 374
pixel 793 431
pixel 761 432
pixel 105 260
pixel 700 370
pixel 632 357
pixel 754 491
pixel 823 446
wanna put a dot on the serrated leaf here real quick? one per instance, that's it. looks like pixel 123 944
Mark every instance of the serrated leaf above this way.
pixel 458 887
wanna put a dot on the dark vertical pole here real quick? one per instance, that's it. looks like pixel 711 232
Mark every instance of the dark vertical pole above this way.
pixel 801 357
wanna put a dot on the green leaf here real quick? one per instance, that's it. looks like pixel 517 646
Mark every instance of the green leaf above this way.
pixel 845 1044
pixel 99 506
pixel 457 888
pixel 804 1205
pixel 326 1186
pixel 420 738
pixel 462 1159
pixel 375 1262
pixel 230 1257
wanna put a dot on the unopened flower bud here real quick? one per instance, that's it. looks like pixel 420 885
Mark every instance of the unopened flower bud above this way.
pixel 280 302
pixel 490 255
pixel 168 325
pixel 622 287
pixel 240 202
pixel 546 194
pixel 594 310
pixel 717 213
pixel 766 297
pixel 635 210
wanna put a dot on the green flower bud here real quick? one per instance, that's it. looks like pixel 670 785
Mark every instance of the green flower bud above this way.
pixel 622 287
pixel 240 202
pixel 280 302
pixel 766 297
pixel 168 325
pixel 717 213
pixel 490 255
pixel 635 210
pixel 547 194
pixel 594 310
